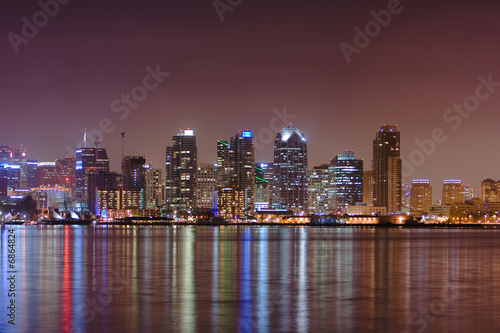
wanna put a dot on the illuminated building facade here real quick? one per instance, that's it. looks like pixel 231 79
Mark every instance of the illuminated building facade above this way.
pixel 155 188
pixel 453 191
pixel 263 185
pixel 319 189
pixel 134 173
pixel 89 163
pixel 235 172
pixel 347 180
pixel 387 169
pixel 67 174
pixel 206 187
pixel 290 170
pixel 231 203
pixel 118 199
pixel 181 169
pixel 47 175
pixel 420 196
pixel 368 187
pixel 489 190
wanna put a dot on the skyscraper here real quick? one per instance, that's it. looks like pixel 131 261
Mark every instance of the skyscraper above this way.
pixel 181 168
pixel 347 180
pixel 453 191
pixel 489 190
pixel 263 185
pixel 290 170
pixel 420 196
pixel 134 173
pixel 235 173
pixel 319 189
pixel 241 166
pixel 155 188
pixel 387 169
pixel 89 163
pixel 206 187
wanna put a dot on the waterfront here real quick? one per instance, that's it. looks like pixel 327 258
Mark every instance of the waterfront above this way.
pixel 252 279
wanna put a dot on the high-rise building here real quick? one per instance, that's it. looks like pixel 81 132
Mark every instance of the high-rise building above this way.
pixel 222 164
pixel 6 153
pixel 89 163
pixel 263 185
pixel 319 189
pixel 181 169
pixel 134 173
pixel 368 187
pixel 347 180
pixel 235 172
pixel 241 167
pixel 20 157
pixel 206 188
pixel 3 181
pixel 387 169
pixel 67 174
pixel 420 196
pixel 453 191
pixel 31 166
pixel 47 175
pixel 155 188
pixel 489 190
pixel 469 192
pixel 290 170
pixel 405 197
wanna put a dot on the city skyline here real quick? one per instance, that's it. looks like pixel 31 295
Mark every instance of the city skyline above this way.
pixel 219 76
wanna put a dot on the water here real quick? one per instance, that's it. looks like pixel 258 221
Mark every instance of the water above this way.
pixel 251 279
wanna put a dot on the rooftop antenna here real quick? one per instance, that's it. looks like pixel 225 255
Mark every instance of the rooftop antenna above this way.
pixel 85 138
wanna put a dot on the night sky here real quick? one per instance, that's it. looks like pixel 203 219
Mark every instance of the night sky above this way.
pixel 265 55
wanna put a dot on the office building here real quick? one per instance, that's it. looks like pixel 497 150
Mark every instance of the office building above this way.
pixel 387 169
pixel 134 173
pixel 319 189
pixel 235 172
pixel 155 188
pixel 346 180
pixel 263 185
pixel 420 196
pixel 89 163
pixel 290 170
pixel 181 169
pixel 206 189
pixel 453 191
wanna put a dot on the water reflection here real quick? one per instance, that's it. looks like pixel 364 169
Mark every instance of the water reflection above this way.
pixel 246 279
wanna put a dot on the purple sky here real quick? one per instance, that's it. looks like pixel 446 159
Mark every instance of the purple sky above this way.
pixel 230 75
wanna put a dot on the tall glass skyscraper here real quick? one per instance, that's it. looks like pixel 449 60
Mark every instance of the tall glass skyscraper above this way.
pixel 290 170
pixel 347 180
pixel 181 168
pixel 387 169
